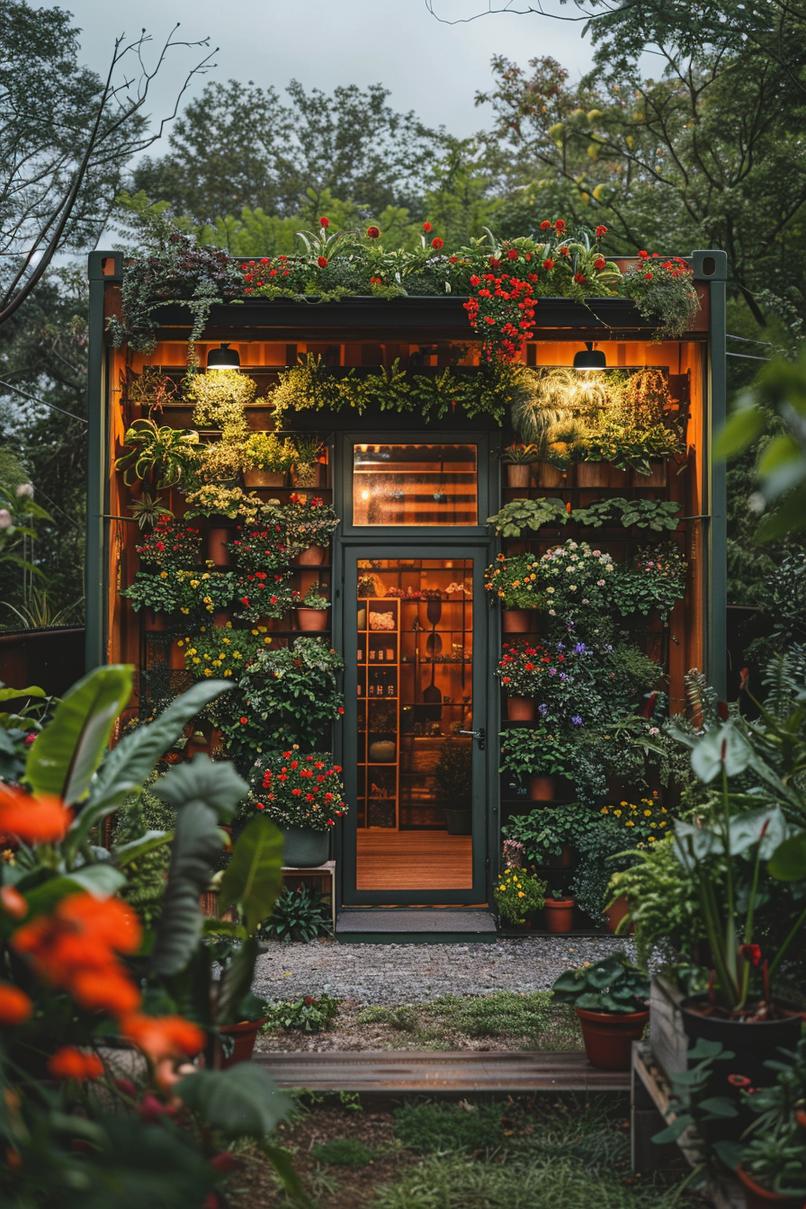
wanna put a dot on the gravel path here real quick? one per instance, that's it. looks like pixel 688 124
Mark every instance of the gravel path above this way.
pixel 412 973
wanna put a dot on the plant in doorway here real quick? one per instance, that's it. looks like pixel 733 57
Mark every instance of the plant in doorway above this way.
pixel 454 777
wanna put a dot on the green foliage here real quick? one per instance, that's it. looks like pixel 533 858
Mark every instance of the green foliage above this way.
pixel 454 773
pixel 239 1102
pixel 613 984
pixel 252 878
pixel 546 830
pixel 522 516
pixel 529 515
pixel 311 1014
pixel 441 1128
pixel 140 814
pixel 155 452
pixel 517 894
pixel 300 914
pixel 342 1152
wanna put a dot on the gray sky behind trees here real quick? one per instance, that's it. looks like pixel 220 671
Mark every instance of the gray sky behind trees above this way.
pixel 429 67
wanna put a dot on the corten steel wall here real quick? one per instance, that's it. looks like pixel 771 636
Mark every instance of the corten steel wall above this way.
pixel 265 325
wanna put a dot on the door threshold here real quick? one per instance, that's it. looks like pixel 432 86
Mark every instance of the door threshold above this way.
pixel 415 925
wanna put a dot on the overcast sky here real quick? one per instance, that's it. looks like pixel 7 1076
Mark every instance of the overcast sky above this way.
pixel 429 67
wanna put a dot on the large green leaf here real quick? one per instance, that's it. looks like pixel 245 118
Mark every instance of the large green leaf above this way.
pixel 134 849
pixel 240 1101
pixel 740 430
pixel 201 792
pixel 133 759
pixel 725 745
pixel 253 875
pixel 788 862
pixel 235 982
pixel 68 751
pixel 100 880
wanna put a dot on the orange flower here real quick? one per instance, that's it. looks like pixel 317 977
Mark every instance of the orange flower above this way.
pixel 15 1006
pixel 109 922
pixel 12 902
pixel 105 991
pixel 163 1036
pixel 71 1063
pixel 35 820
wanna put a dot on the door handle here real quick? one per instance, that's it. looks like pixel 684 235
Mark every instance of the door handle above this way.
pixel 479 735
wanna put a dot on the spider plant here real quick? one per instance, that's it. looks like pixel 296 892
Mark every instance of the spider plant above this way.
pixel 168 455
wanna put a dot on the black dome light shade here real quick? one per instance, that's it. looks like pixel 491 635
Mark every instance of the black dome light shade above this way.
pixel 223 358
pixel 589 358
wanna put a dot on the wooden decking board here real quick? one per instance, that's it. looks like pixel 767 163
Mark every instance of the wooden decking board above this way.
pixel 402 1072
pixel 413 860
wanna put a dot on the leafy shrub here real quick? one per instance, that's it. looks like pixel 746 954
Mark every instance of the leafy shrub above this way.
pixel 300 914
pixel 311 1014
pixel 429 1128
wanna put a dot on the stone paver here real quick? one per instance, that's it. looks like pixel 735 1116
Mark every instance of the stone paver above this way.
pixel 415 973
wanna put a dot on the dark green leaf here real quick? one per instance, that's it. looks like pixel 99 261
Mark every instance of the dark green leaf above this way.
pixel 240 1101
pixel 739 431
pixel 196 845
pixel 788 862
pixel 253 878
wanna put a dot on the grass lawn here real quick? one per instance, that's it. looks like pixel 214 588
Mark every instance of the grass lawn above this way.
pixel 546 1152
pixel 504 1020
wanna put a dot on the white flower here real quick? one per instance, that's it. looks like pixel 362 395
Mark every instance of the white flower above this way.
pixel 6 519
pixel 25 491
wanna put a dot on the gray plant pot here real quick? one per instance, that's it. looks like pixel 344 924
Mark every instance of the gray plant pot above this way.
pixel 304 849
pixel 459 821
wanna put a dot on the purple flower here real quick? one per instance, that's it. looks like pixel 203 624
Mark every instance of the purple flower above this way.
pixel 542 710
pixel 576 719
pixel 580 649
pixel 552 671
pixel 563 675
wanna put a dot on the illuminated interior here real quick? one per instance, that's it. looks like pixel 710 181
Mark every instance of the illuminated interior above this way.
pixel 415 485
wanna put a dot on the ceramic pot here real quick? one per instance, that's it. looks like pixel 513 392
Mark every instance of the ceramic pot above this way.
pixel 218 536
pixel 656 476
pixel 521 709
pixel 592 474
pixel 305 849
pixel 518 474
pixel 550 476
pixel 756 1197
pixel 244 1036
pixel 156 622
pixel 264 478
pixel 313 556
pixel 753 1042
pixel 542 789
pixel 615 913
pixel 559 914
pixel 608 1036
pixel 517 621
pixel 311 621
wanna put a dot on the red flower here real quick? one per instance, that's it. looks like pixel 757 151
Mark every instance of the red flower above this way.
pixel 427 227
pixel 643 254
pixel 544 226
pixel 601 231
pixel 437 243
pixel 373 232
pixel 548 265
pixel 580 278
pixel 244 721
pixel 560 225
pixel 751 953
pixel 322 262
pixel 739 1081
pixel 324 221
pixel 513 253
pixel 599 263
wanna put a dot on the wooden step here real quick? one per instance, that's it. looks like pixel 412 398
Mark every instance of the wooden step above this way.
pixel 398 1072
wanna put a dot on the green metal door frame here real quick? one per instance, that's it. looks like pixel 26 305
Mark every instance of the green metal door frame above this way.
pixel 391 546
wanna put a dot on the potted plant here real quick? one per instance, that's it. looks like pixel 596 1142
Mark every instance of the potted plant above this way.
pixel 620 831
pixel 267 460
pixel 519 460
pixel 310 524
pixel 237 1038
pixel 263 595
pixel 518 895
pixel 770 1159
pixel 304 796
pixel 559 911
pixel 555 763
pixel 166 456
pixel 513 582
pixel 221 651
pixel 549 679
pixel 610 999
pixel 312 611
pixel 264 546
pixel 305 463
pixel 170 544
pixel 222 506
pixel 656 581
pixel 550 838
pixel 529 516
pixel 454 777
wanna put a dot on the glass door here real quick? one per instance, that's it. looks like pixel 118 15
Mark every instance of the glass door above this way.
pixel 414 740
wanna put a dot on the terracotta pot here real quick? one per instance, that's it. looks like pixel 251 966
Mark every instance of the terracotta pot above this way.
pixel 615 913
pixel 517 621
pixel 157 622
pixel 215 743
pixel 800 1117
pixel 244 1035
pixel 311 621
pixel 550 476
pixel 542 789
pixel 592 474
pixel 518 474
pixel 520 709
pixel 314 556
pixel 559 914
pixel 656 476
pixel 218 536
pixel 176 658
pixel 608 1036
pixel 756 1197
pixel 196 747
pixel 264 478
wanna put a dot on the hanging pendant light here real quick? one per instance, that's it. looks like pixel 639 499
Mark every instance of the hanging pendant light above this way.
pixel 589 358
pixel 223 358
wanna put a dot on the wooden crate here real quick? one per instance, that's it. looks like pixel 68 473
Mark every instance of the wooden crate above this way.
pixel 667 1037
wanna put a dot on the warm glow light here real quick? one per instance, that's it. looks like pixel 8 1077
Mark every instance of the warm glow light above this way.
pixel 364 495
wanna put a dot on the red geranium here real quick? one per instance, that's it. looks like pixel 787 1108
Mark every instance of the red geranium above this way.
pixel 374 232
pixel 437 243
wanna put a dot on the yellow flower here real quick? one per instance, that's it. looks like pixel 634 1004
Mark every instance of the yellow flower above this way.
pixel 521 894
pixel 651 839
pixel 629 823
pixel 617 813
pixel 163 574
pixel 647 814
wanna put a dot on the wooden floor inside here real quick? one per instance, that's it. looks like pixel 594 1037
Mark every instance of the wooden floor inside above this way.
pixel 413 860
